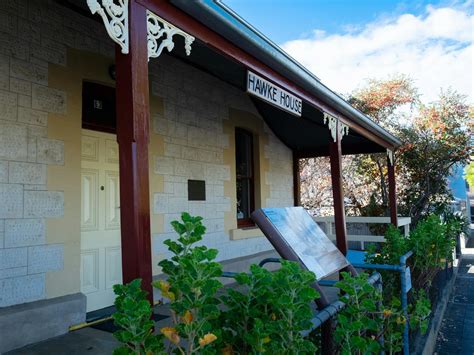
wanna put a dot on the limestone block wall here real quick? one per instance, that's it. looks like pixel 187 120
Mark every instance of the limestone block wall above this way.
pixel 40 130
pixel 35 35
pixel 191 124
pixel 280 175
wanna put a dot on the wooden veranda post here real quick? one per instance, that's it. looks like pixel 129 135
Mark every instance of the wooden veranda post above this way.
pixel 335 154
pixel 296 179
pixel 392 190
pixel 133 136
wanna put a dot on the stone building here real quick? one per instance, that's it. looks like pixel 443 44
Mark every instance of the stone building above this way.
pixel 204 143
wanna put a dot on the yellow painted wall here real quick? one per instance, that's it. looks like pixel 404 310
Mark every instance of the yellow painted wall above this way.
pixel 80 66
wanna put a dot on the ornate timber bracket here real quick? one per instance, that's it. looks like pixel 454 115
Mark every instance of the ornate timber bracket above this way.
pixel 115 17
pixel 390 156
pixel 114 13
pixel 161 29
pixel 335 126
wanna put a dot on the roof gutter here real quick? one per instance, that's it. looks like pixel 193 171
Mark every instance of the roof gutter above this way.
pixel 223 20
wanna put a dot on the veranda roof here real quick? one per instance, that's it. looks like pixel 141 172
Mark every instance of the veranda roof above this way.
pixel 307 136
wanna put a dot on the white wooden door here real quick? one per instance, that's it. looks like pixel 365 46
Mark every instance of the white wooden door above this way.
pixel 101 261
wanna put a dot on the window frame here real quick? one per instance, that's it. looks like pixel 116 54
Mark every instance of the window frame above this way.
pixel 246 222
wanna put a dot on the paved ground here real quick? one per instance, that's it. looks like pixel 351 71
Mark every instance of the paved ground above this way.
pixel 456 335
pixel 87 341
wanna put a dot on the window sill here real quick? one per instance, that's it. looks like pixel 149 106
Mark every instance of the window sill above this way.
pixel 245 233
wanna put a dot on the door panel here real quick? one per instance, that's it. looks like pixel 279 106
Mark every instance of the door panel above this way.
pixel 101 265
pixel 113 258
pixel 89 271
pixel 90 148
pixel 112 154
pixel 112 209
pixel 90 199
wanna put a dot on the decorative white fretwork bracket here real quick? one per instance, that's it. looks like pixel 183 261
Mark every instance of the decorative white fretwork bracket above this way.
pixel 160 29
pixel 335 126
pixel 115 17
pixel 390 156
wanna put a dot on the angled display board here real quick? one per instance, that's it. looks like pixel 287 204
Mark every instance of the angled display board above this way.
pixel 296 236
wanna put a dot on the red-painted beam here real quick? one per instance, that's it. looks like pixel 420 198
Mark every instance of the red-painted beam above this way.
pixel 133 135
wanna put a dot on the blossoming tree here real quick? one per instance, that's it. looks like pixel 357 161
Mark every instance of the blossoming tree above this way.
pixel 435 138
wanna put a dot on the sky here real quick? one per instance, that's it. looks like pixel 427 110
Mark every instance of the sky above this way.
pixel 346 42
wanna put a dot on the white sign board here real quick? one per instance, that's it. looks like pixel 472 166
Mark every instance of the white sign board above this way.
pixel 273 94
pixel 303 235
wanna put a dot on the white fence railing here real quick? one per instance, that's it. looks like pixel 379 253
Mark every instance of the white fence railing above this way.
pixel 358 228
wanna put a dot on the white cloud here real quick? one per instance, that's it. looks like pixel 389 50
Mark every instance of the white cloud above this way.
pixel 435 49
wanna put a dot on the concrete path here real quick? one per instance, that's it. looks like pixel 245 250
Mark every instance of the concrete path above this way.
pixel 87 341
pixel 456 335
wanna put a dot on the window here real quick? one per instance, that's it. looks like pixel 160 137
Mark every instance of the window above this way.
pixel 98 107
pixel 245 177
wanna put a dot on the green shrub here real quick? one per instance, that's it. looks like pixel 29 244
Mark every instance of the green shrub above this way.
pixel 431 246
pixel 365 319
pixel 191 287
pixel 432 242
pixel 271 311
pixel 133 312
pixel 396 245
pixel 266 313
pixel 420 310
pixel 359 323
pixel 456 224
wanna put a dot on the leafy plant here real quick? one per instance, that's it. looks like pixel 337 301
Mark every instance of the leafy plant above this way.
pixel 247 311
pixel 292 295
pixel 456 223
pixel 359 324
pixel 270 311
pixel 420 310
pixel 394 324
pixel 133 316
pixel 365 319
pixel 431 245
pixel 396 245
pixel 191 287
pixel 267 312
pixel 432 242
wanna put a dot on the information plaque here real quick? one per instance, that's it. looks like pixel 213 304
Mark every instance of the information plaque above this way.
pixel 302 234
